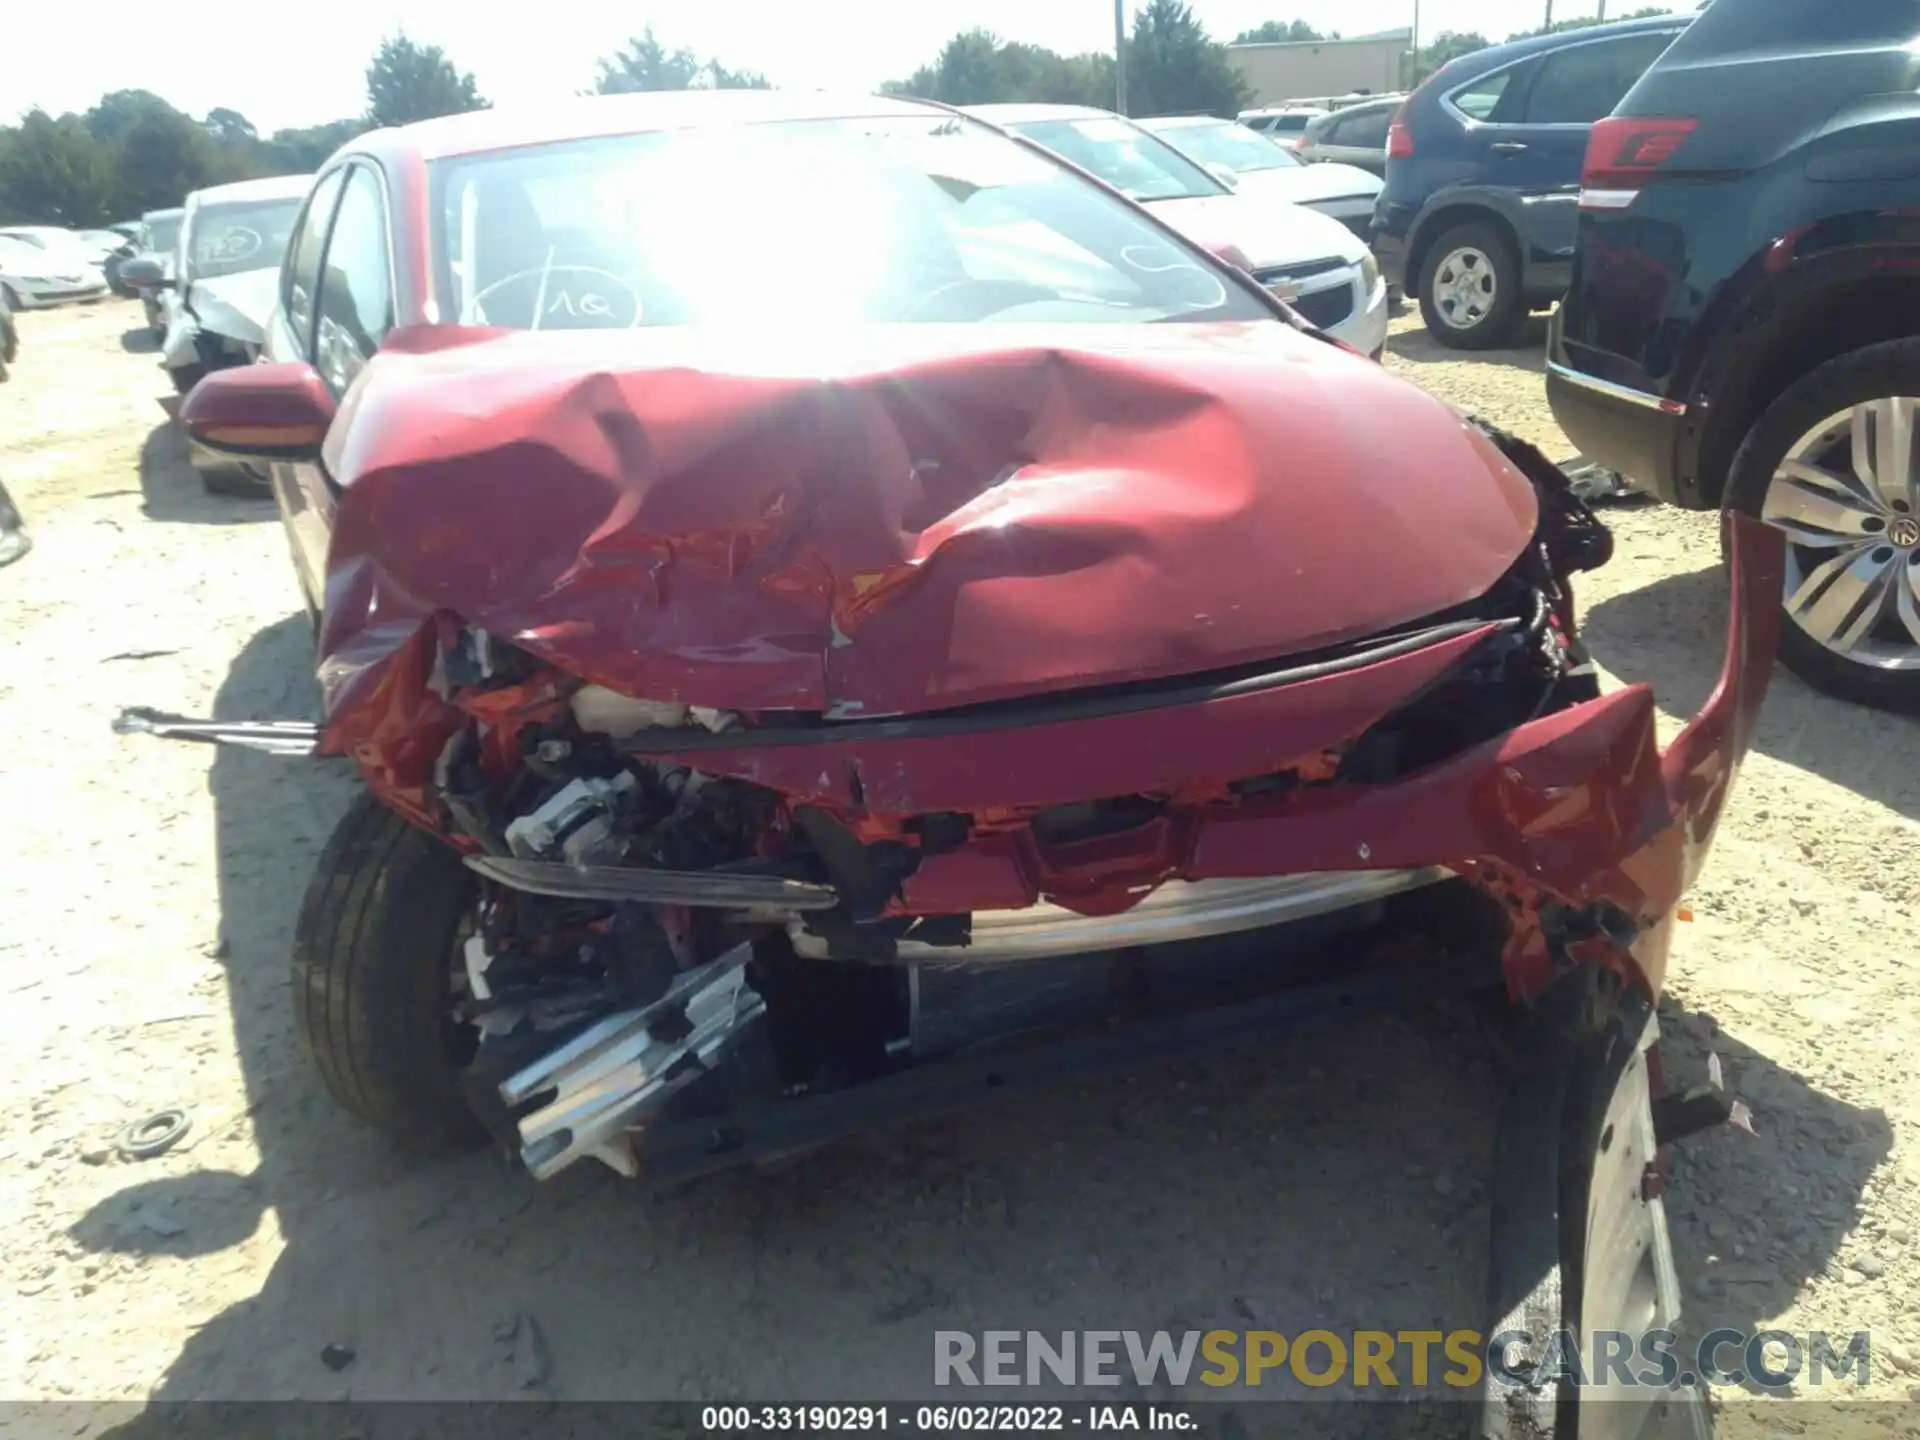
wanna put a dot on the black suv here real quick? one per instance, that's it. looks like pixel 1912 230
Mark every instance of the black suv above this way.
pixel 1743 324
pixel 1477 219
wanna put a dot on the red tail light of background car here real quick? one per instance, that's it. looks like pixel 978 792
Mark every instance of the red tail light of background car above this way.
pixel 1399 137
pixel 1624 152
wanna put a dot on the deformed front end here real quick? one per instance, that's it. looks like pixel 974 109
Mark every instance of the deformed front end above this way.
pixel 823 750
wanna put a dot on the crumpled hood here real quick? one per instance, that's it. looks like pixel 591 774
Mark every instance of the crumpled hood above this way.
pixel 1268 232
pixel 900 519
pixel 237 305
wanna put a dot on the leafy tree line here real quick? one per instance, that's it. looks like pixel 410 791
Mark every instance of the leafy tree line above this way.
pixel 1173 67
pixel 133 151
pixel 1452 44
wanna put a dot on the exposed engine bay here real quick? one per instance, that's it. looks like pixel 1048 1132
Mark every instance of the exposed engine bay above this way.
pixel 647 930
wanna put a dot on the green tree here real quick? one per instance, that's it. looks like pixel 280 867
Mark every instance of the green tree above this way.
pixel 408 82
pixel 119 111
pixel 159 157
pixel 1583 21
pixel 53 172
pixel 646 64
pixel 1281 32
pixel 1174 68
pixel 230 126
pixel 976 67
pixel 289 152
pixel 1447 45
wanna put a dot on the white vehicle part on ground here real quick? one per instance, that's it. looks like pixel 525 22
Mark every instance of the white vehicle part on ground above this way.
pixel 604 1080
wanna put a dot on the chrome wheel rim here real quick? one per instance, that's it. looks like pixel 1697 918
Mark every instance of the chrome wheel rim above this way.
pixel 1847 498
pixel 1465 287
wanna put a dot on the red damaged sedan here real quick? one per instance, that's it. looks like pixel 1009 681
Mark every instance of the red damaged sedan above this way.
pixel 839 613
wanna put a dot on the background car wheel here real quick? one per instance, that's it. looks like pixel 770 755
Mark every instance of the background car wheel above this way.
pixel 1470 287
pixel 1831 463
pixel 375 961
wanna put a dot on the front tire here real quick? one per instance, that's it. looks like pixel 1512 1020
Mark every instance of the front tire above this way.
pixel 1831 464
pixel 374 952
pixel 1580 1247
pixel 1470 287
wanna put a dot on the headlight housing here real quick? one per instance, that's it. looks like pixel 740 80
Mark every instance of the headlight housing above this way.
pixel 1370 272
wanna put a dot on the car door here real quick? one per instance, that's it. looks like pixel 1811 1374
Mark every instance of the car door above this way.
pixel 290 337
pixel 1541 138
pixel 353 309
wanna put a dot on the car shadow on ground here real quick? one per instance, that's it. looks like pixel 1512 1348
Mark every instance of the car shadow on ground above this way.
pixel 171 487
pixel 1332 1179
pixel 1528 351
pixel 139 341
pixel 1756 1215
pixel 1671 634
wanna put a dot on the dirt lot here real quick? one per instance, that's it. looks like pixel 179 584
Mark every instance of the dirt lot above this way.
pixel 1331 1181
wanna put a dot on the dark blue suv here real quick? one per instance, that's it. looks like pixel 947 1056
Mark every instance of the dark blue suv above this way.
pixel 1480 210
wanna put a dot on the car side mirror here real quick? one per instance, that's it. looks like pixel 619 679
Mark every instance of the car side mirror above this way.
pixel 146 272
pixel 277 411
pixel 1225 174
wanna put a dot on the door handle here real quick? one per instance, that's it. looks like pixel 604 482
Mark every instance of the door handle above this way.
pixel 1508 147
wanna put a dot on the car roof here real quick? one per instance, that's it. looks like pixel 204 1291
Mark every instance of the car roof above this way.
pixel 1283 110
pixel 1028 114
pixel 592 117
pixel 1494 56
pixel 1384 102
pixel 169 214
pixel 274 187
pixel 1180 122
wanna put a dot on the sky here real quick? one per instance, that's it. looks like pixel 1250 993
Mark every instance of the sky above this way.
pixel 282 64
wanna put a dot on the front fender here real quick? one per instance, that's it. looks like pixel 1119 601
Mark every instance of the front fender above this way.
pixel 1443 208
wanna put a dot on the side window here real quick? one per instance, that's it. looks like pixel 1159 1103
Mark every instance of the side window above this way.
pixel 301 277
pixel 1369 131
pixel 1479 99
pixel 356 286
pixel 1583 83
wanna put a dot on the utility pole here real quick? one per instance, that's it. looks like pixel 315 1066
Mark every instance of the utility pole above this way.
pixel 1549 14
pixel 1601 17
pixel 1413 65
pixel 1120 56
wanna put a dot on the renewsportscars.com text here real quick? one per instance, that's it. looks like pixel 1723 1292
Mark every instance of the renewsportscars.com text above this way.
pixel 1391 1359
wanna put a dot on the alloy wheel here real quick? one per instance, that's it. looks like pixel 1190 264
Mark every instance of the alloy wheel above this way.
pixel 1465 287
pixel 1847 498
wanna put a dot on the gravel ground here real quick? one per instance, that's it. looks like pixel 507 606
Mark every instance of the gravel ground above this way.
pixel 1332 1181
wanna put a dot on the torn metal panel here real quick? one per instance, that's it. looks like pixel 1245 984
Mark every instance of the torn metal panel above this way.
pixel 902 520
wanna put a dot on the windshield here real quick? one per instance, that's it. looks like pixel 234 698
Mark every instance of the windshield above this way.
pixel 1224 143
pixel 817 222
pixel 1135 163
pixel 163 234
pixel 243 235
